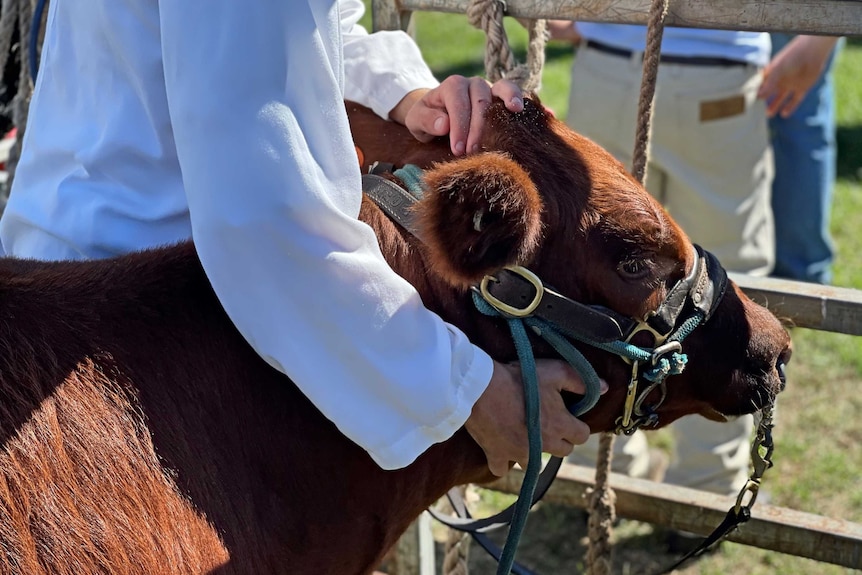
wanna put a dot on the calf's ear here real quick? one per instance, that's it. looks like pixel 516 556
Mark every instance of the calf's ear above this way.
pixel 479 213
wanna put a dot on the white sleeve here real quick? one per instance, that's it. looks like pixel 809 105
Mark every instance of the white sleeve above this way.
pixel 380 68
pixel 265 151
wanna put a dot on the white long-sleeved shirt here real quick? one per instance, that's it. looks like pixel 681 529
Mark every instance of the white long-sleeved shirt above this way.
pixel 158 120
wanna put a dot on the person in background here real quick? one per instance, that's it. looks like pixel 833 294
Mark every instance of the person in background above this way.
pixel 799 89
pixel 156 122
pixel 711 165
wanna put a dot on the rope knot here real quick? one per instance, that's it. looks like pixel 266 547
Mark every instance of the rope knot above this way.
pixel 665 367
pixel 678 363
pixel 658 372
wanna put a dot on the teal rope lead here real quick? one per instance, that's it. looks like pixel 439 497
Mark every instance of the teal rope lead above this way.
pixel 531 395
pixel 411 175
pixel 576 359
pixel 534 438
pixel 534 434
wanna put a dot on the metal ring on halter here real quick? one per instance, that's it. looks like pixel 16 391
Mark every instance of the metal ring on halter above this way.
pixel 660 351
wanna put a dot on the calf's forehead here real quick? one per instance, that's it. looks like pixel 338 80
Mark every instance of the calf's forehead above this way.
pixel 614 203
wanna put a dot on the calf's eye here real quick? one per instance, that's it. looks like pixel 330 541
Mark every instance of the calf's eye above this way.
pixel 634 268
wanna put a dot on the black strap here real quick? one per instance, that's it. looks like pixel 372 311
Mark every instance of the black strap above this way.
pixel 704 287
pixel 478 528
pixel 392 199
pixel 711 286
pixel 481 538
pixel 669 58
pixel 567 314
pixel 731 521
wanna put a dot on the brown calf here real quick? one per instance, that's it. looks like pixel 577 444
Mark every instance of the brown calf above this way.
pixel 141 434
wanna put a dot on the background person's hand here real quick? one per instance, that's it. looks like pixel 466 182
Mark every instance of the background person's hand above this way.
pixel 498 422
pixel 792 73
pixel 456 107
pixel 564 31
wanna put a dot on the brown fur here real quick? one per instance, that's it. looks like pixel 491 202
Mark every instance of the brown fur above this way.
pixel 486 226
pixel 141 434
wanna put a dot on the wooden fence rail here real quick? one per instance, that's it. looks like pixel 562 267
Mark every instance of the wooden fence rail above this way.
pixel 770 527
pixel 829 17
pixel 825 308
pixel 811 306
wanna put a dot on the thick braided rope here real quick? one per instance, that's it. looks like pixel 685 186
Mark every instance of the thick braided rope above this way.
pixel 457 548
pixel 487 15
pixel 652 56
pixel 600 504
pixel 602 497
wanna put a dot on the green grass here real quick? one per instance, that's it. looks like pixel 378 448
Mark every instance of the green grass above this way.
pixel 818 435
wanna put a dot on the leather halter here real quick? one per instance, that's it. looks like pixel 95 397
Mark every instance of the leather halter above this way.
pixel 517 292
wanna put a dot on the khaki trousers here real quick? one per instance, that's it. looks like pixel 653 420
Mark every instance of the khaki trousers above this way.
pixel 711 166
pixel 711 163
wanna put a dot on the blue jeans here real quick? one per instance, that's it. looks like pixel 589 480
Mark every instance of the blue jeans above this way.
pixel 805 156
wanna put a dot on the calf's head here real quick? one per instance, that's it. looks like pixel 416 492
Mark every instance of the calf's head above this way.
pixel 543 197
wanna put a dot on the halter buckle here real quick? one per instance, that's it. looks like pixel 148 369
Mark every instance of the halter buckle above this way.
pixel 507 309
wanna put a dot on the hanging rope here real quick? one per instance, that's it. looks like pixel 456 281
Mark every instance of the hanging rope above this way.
pixel 457 547
pixel 652 56
pixel 601 498
pixel 487 15
pixel 601 504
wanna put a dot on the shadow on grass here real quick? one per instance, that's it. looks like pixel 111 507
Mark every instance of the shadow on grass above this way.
pixel 555 541
pixel 849 140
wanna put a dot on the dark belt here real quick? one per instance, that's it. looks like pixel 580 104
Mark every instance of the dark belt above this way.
pixel 667 58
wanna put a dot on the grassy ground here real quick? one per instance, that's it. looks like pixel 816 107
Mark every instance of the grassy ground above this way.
pixel 818 437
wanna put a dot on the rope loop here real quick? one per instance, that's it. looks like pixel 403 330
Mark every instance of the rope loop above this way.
pixel 487 15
